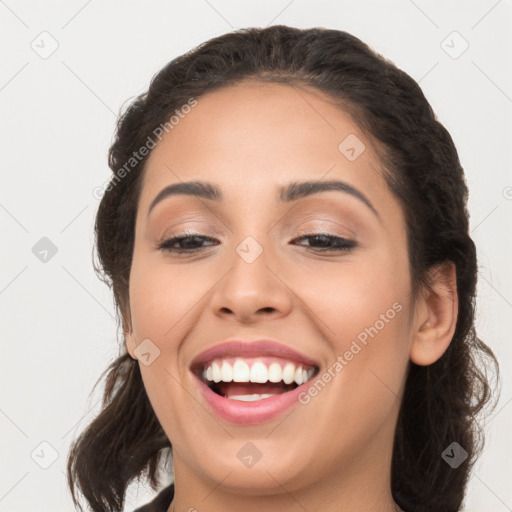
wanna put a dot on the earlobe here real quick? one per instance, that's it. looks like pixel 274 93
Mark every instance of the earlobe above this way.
pixel 129 336
pixel 129 339
pixel 436 319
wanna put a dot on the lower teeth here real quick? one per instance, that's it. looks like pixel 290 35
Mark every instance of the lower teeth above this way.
pixel 249 398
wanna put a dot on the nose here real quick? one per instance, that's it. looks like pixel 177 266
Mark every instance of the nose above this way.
pixel 252 290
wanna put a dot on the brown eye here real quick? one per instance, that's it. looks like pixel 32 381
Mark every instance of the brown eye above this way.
pixel 323 242
pixel 186 243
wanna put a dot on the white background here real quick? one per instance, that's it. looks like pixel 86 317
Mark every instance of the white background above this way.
pixel 58 118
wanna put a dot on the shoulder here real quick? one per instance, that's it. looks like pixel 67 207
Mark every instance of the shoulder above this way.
pixel 160 503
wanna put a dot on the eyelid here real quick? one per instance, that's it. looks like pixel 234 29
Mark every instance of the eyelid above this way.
pixel 186 232
pixel 312 223
pixel 189 230
pixel 312 230
pixel 342 231
pixel 341 244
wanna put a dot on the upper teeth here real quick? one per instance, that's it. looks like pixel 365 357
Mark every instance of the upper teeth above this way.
pixel 240 371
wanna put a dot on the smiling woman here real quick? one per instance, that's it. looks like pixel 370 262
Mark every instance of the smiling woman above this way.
pixel 295 282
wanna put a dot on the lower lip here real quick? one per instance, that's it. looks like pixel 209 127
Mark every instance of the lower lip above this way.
pixel 249 413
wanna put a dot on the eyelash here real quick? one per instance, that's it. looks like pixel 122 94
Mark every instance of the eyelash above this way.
pixel 343 244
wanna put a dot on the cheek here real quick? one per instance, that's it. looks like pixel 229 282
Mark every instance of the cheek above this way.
pixel 161 298
pixel 163 301
pixel 349 296
pixel 363 308
pixel 359 393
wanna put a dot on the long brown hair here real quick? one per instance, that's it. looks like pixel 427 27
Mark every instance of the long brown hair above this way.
pixel 441 401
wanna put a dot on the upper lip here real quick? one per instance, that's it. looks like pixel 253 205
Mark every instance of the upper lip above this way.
pixel 239 348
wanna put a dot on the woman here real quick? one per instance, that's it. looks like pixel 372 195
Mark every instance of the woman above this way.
pixel 286 236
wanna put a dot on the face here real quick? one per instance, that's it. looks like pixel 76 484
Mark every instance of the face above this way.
pixel 323 274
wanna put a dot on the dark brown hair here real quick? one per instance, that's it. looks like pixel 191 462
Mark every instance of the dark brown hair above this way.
pixel 441 401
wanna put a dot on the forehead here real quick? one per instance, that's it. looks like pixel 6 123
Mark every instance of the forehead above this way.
pixel 256 137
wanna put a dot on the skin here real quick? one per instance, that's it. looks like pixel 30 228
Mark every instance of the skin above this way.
pixel 249 139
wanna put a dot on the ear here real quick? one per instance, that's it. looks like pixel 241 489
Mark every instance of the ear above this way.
pixel 436 316
pixel 131 345
pixel 129 336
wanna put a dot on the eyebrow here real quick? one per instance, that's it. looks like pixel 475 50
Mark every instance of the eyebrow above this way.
pixel 291 192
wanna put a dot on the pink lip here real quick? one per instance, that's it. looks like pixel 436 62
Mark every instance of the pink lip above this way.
pixel 259 411
pixel 249 413
pixel 251 349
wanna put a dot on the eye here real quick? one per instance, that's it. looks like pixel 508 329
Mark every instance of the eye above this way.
pixel 192 242
pixel 186 243
pixel 323 242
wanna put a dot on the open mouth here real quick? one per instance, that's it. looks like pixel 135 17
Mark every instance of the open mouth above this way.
pixel 255 378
